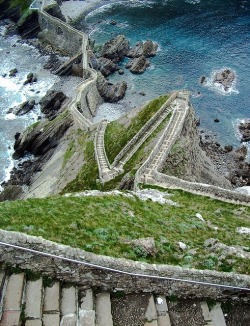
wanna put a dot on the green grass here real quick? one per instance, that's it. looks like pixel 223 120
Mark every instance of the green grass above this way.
pixel 113 143
pixel 88 175
pixel 104 224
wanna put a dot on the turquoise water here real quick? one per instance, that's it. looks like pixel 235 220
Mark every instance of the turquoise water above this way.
pixel 196 38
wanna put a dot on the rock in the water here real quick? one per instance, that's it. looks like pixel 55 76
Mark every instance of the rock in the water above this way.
pixel 244 129
pixel 225 78
pixel 31 78
pixel 148 49
pixel 138 65
pixel 23 108
pixel 11 192
pixel 110 92
pixel 116 49
pixel 13 72
pixel 107 66
pixel 51 103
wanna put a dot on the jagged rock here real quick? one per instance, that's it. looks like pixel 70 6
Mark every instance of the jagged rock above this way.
pixel 23 108
pixel 116 49
pixel 138 65
pixel 11 192
pixel 31 78
pixel 53 63
pixel 94 62
pixel 51 103
pixel 110 92
pixel 43 137
pixel 225 78
pixel 13 72
pixel 148 49
pixel 29 27
pixel 54 10
pixel 244 129
pixel 107 66
pixel 145 245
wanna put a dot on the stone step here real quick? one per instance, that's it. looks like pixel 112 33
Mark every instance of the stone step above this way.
pixel 162 311
pixel 51 307
pixel 2 289
pixel 103 310
pixel 69 306
pixel 86 311
pixel 33 299
pixel 13 300
pixel 151 313
pixel 217 315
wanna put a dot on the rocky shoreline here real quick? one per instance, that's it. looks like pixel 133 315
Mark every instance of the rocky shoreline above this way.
pixel 230 162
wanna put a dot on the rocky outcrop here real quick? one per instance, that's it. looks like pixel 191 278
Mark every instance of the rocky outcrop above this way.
pixel 107 66
pixel 148 49
pixel 224 78
pixel 29 26
pixel 54 10
pixel 138 65
pixel 39 139
pixel 23 108
pixel 244 128
pixel 31 78
pixel 116 49
pixel 51 103
pixel 110 92
pixel 187 159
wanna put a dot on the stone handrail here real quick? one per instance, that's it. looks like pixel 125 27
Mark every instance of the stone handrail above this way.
pixel 143 130
pixel 90 270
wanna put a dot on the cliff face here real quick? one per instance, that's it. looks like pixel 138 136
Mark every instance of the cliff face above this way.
pixel 188 161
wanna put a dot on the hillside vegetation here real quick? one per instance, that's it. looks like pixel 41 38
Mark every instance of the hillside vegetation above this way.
pixel 109 224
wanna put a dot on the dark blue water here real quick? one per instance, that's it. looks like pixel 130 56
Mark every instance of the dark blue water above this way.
pixel 196 38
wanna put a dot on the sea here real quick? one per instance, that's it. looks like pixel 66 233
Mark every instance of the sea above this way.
pixel 195 38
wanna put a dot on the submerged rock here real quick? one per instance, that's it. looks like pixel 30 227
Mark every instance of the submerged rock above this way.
pixel 225 78
pixel 31 78
pixel 107 66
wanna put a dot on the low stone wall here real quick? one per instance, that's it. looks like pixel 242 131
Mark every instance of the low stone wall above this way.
pixel 201 189
pixel 107 280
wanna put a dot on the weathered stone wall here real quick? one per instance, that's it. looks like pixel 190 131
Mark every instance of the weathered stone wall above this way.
pixel 106 280
pixel 60 35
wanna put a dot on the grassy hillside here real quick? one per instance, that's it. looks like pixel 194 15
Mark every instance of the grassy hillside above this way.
pixel 108 224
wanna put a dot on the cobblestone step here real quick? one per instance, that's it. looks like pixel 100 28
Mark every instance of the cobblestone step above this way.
pixel 103 310
pixel 12 304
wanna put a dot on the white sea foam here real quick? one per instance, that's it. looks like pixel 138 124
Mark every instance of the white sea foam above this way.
pixel 219 87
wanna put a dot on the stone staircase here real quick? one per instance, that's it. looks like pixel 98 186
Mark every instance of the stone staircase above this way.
pixel 29 301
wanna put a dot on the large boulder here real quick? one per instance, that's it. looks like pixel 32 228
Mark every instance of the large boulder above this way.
pixel 116 49
pixel 107 66
pixel 224 78
pixel 53 8
pixel 138 65
pixel 244 128
pixel 40 138
pixel 110 92
pixel 51 103
pixel 148 49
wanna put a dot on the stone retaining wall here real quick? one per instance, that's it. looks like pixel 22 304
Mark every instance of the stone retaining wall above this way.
pixel 93 277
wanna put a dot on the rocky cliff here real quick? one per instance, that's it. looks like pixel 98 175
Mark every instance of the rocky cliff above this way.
pixel 188 161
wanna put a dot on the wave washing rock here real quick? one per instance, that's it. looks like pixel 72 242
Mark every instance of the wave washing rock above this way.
pixel 225 78
pixel 244 128
pixel 116 49
pixel 148 49
pixel 23 108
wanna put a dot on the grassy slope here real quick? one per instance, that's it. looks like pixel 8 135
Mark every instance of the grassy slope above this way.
pixel 114 144
pixel 100 224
